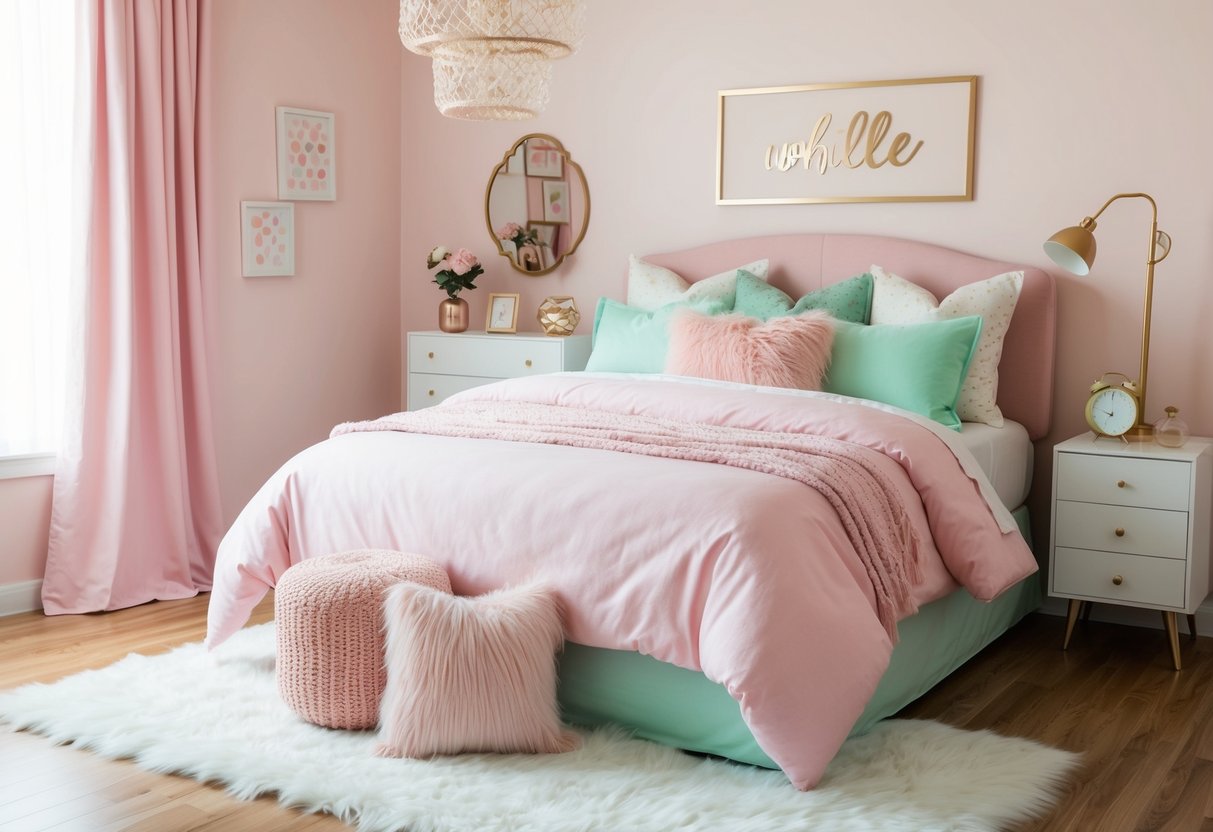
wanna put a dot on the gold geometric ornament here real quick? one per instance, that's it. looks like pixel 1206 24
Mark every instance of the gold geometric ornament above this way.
pixel 558 315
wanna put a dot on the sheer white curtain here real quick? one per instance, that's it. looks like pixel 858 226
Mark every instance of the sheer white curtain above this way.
pixel 38 210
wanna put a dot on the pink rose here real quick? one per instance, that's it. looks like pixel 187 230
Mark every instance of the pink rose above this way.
pixel 509 231
pixel 462 261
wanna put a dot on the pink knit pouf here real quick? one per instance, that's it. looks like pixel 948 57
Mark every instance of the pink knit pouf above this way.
pixel 329 614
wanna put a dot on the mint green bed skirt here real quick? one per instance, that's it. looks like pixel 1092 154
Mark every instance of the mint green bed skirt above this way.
pixel 684 709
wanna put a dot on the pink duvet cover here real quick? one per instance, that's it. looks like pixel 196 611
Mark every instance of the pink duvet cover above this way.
pixel 745 576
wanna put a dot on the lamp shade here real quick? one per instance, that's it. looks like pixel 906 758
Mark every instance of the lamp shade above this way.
pixel 1073 249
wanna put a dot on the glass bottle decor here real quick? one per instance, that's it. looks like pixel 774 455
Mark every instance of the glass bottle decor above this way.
pixel 1171 431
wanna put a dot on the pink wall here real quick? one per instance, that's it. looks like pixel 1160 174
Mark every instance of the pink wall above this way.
pixel 25 516
pixel 1078 100
pixel 297 355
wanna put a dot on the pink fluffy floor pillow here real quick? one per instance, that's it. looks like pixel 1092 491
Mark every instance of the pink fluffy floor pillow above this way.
pixel 471 674
pixel 790 351
pixel 329 616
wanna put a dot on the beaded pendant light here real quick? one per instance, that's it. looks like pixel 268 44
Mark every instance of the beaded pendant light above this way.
pixel 492 58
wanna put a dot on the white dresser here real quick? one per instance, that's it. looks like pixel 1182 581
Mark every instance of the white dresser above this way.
pixel 442 364
pixel 1131 526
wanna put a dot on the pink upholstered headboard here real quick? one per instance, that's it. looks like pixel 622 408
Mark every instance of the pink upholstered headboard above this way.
pixel 801 263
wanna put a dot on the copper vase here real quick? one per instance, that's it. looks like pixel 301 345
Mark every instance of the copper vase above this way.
pixel 453 315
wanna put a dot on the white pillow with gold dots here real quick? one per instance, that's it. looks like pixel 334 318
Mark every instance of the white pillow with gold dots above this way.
pixel 651 287
pixel 896 300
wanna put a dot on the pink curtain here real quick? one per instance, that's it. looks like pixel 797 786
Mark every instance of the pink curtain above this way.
pixel 136 513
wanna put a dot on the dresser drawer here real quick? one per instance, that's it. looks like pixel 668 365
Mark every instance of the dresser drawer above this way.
pixel 1144 531
pixel 1153 582
pixel 1123 481
pixel 428 389
pixel 486 357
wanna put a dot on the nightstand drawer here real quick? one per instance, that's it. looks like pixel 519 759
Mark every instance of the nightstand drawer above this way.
pixel 1143 531
pixel 1147 483
pixel 1153 582
pixel 487 357
pixel 427 389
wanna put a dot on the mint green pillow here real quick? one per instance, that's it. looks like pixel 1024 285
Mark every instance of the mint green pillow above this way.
pixel 631 340
pixel 918 367
pixel 850 300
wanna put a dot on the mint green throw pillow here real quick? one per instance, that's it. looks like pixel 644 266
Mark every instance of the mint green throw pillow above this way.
pixel 917 367
pixel 850 300
pixel 631 340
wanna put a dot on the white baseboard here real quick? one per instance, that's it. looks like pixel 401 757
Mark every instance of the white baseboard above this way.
pixel 1133 616
pixel 21 597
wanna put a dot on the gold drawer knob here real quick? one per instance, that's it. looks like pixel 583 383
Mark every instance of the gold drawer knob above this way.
pixel 528 362
pixel 1120 532
pixel 431 355
pixel 1118 579
pixel 431 392
pixel 1119 483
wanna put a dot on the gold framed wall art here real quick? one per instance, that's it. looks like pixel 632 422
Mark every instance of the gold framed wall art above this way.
pixel 908 140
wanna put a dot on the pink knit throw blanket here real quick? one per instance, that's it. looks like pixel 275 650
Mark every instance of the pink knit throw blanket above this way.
pixel 864 497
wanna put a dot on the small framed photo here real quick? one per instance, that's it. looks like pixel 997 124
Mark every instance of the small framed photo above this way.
pixel 545 232
pixel 555 200
pixel 542 159
pixel 503 312
pixel 267 238
pixel 307 156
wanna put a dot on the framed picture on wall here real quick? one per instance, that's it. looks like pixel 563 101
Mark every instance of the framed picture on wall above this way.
pixel 503 312
pixel 544 232
pixel 307 155
pixel 786 145
pixel 267 238
pixel 555 200
pixel 543 160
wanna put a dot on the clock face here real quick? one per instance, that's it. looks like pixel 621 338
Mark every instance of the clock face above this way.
pixel 1112 411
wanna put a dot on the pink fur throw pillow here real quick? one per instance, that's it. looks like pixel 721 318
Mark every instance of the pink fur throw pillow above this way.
pixel 788 351
pixel 471 674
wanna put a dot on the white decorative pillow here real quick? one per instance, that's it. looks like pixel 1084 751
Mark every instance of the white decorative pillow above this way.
pixel 650 287
pixel 896 300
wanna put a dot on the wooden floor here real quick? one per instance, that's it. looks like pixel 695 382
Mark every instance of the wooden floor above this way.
pixel 1145 730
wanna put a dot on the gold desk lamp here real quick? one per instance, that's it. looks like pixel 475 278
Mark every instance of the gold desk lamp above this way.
pixel 1073 249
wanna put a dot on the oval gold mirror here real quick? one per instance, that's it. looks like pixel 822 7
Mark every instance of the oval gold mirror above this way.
pixel 537 204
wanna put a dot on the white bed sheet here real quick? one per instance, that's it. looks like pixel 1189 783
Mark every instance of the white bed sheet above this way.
pixel 1005 455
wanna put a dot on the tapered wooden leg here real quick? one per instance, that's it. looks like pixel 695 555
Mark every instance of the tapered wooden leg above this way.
pixel 1086 610
pixel 1168 620
pixel 1192 626
pixel 1071 619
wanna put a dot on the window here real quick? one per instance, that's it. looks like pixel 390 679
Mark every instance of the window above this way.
pixel 37 80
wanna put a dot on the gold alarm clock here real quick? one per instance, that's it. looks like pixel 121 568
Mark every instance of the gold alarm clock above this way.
pixel 1112 408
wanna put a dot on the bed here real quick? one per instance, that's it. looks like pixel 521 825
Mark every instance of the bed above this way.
pixel 726 641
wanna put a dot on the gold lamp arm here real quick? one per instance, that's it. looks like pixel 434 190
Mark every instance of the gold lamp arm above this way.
pixel 1158 240
pixel 1146 197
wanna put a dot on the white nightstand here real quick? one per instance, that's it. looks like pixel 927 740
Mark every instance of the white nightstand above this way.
pixel 442 364
pixel 1131 526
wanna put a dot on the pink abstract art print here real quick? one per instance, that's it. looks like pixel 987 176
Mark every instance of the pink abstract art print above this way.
pixel 307 156
pixel 267 238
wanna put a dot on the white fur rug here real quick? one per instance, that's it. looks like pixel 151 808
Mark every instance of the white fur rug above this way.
pixel 218 717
